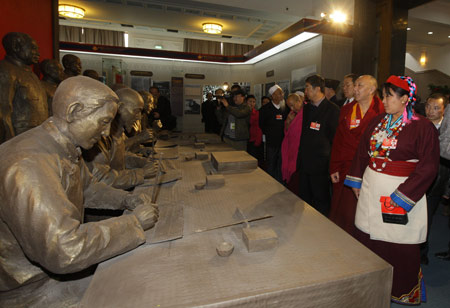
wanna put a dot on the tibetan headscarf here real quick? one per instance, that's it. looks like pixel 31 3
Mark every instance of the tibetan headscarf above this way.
pixel 406 83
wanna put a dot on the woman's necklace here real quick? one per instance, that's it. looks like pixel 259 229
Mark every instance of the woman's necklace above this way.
pixel 383 139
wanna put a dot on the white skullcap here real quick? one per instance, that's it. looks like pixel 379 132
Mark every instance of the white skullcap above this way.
pixel 300 93
pixel 274 88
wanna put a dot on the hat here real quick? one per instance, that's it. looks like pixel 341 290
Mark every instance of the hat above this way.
pixel 274 88
pixel 397 81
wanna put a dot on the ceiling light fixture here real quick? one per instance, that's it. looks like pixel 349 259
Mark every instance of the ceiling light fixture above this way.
pixel 430 32
pixel 408 29
pixel 338 16
pixel 71 11
pixel 158 47
pixel 212 28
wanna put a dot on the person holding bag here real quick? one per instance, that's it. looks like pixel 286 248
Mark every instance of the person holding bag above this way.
pixel 396 161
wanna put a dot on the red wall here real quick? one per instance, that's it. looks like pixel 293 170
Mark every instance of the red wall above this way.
pixel 29 16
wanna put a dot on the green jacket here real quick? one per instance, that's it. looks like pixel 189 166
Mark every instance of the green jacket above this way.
pixel 241 114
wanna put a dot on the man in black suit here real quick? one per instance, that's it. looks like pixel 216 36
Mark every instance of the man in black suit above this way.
pixel 320 119
pixel 331 86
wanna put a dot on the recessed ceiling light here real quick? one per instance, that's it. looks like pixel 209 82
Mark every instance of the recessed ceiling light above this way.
pixel 158 47
pixel 430 32
pixel 449 36
pixel 407 29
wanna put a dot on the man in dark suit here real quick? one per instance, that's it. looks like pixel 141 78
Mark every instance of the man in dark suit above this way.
pixel 331 86
pixel 320 119
pixel 271 121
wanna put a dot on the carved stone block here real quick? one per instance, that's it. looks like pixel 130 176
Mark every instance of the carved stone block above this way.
pixel 259 238
pixel 233 160
pixel 201 155
pixel 215 180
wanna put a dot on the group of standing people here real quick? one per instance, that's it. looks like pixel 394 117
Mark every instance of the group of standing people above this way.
pixel 369 163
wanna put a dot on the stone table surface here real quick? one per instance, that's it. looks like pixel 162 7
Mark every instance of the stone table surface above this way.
pixel 315 264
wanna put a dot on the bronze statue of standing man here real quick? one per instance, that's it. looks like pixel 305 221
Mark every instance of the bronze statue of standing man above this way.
pixel 23 102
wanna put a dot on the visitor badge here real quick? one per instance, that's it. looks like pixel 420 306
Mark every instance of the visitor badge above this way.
pixel 232 126
pixel 279 117
pixel 314 125
pixel 389 143
pixel 355 123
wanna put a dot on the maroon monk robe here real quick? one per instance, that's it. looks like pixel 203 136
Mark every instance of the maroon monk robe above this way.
pixel 345 143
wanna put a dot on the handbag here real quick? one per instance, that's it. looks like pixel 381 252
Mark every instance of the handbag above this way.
pixel 392 214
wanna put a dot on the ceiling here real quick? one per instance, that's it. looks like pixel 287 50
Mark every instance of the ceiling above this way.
pixel 433 16
pixel 244 21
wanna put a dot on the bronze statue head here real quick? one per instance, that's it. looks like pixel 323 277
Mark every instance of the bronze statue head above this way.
pixel 130 109
pixel 52 70
pixel 118 86
pixel 148 101
pixel 21 47
pixel 72 65
pixel 86 108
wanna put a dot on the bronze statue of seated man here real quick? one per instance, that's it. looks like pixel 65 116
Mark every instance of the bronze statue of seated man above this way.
pixel 45 186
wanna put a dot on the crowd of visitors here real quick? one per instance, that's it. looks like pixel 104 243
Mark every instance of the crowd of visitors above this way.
pixel 373 165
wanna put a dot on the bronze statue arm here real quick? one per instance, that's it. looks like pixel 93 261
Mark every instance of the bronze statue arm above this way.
pixel 48 225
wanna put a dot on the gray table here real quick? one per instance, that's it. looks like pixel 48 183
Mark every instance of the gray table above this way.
pixel 315 264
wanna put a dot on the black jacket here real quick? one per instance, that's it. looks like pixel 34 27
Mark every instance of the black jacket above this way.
pixel 315 144
pixel 271 121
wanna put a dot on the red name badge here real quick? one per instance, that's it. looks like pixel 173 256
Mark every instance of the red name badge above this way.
pixel 389 143
pixel 314 125
pixel 354 123
pixel 279 117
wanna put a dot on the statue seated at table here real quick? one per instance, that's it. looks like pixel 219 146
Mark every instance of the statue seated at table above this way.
pixel 109 160
pixel 45 186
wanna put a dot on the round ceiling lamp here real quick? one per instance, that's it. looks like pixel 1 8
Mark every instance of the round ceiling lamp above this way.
pixel 71 11
pixel 212 28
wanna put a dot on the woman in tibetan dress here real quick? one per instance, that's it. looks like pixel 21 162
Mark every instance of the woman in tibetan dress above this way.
pixel 396 161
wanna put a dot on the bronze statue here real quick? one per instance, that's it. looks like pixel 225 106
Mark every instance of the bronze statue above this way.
pixel 23 104
pixel 91 73
pixel 45 186
pixel 109 160
pixel 53 75
pixel 149 105
pixel 72 66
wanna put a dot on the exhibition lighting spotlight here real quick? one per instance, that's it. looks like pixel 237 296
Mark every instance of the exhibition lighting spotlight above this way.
pixel 302 37
pixel 338 16
pixel 212 28
pixel 71 11
pixel 423 59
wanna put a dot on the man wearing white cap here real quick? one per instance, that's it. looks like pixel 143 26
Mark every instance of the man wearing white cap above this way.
pixel 271 121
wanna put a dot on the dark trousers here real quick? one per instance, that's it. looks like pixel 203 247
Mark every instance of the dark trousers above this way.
pixel 273 160
pixel 316 191
pixel 256 151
